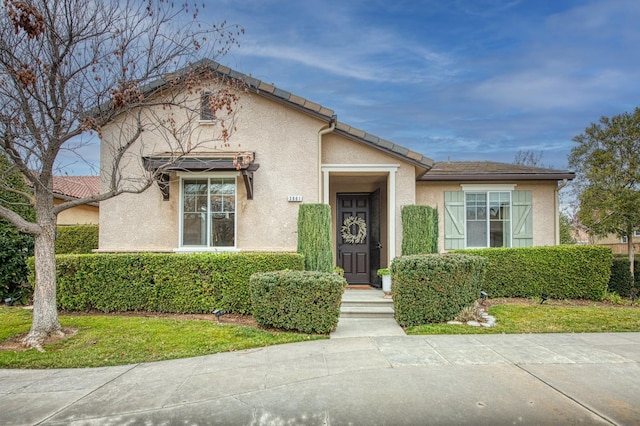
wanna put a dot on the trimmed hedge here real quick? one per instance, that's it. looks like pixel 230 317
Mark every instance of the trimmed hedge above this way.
pixel 434 288
pixel 15 249
pixel 306 301
pixel 79 239
pixel 419 230
pixel 620 281
pixel 314 237
pixel 179 283
pixel 561 272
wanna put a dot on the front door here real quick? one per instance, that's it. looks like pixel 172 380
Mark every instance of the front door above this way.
pixel 353 237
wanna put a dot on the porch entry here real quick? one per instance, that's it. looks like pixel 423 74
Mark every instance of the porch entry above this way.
pixel 358 236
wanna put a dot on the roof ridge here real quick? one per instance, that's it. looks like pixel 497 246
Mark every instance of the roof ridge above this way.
pixel 279 95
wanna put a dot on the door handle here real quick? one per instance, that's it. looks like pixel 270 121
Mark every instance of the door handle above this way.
pixel 378 246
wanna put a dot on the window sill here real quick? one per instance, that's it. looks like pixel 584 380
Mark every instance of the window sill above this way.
pixel 206 250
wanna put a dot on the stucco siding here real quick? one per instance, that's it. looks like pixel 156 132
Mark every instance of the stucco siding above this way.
pixel 544 206
pixel 80 215
pixel 340 150
pixel 285 145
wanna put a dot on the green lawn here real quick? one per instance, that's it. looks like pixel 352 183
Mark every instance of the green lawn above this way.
pixel 117 340
pixel 536 318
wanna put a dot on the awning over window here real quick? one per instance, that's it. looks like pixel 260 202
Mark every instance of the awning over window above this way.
pixel 164 164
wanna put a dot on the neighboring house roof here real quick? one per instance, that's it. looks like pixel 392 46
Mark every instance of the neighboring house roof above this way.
pixel 316 110
pixel 489 170
pixel 69 187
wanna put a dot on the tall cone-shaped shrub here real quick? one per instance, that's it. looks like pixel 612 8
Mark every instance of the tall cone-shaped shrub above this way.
pixel 419 230
pixel 314 237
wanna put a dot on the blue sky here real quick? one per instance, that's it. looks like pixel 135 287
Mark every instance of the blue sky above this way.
pixel 458 79
pixel 452 79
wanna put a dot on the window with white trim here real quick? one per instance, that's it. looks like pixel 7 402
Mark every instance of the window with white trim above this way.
pixel 635 234
pixel 488 216
pixel 488 219
pixel 208 212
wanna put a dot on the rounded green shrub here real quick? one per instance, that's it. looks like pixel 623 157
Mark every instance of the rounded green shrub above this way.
pixel 621 281
pixel 434 288
pixel 306 301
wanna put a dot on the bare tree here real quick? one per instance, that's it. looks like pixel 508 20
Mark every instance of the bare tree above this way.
pixel 528 158
pixel 68 68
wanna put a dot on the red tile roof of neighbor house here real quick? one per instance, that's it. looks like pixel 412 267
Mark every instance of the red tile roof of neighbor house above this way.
pixel 76 186
pixel 489 170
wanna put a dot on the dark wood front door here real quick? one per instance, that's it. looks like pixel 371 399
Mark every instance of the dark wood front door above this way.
pixel 374 238
pixel 353 237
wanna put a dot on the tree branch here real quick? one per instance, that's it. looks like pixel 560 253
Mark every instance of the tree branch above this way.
pixel 17 221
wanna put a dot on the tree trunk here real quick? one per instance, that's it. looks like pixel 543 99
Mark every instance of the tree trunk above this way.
pixel 45 312
pixel 630 250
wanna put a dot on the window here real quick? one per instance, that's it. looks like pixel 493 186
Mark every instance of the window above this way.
pixel 488 219
pixel 208 212
pixel 635 234
pixel 206 113
pixel 488 216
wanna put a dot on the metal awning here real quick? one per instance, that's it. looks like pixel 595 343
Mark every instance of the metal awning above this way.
pixel 164 164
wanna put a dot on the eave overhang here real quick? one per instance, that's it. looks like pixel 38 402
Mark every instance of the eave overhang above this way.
pixel 163 165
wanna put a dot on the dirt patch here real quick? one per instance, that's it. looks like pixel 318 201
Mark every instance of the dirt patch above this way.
pixel 233 319
pixel 15 343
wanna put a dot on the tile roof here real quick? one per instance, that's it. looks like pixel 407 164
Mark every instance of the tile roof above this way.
pixel 76 186
pixel 272 92
pixel 489 170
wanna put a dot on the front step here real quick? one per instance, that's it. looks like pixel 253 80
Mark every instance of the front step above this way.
pixel 366 312
pixel 366 304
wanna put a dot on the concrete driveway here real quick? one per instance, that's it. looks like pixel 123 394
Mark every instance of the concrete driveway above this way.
pixel 386 380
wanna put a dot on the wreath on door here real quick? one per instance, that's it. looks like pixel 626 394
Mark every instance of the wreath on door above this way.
pixel 349 237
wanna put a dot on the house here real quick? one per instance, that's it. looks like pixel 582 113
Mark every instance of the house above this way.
pixel 67 188
pixel 617 244
pixel 296 151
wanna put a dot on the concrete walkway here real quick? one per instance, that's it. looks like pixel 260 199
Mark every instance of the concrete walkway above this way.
pixel 366 327
pixel 394 380
pixel 367 314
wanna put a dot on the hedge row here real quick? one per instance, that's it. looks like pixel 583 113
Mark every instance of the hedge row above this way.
pixel 434 288
pixel 15 249
pixel 561 272
pixel 180 283
pixel 79 239
pixel 620 281
pixel 306 301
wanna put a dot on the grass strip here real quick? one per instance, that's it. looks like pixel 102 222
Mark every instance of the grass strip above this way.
pixel 513 319
pixel 117 340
